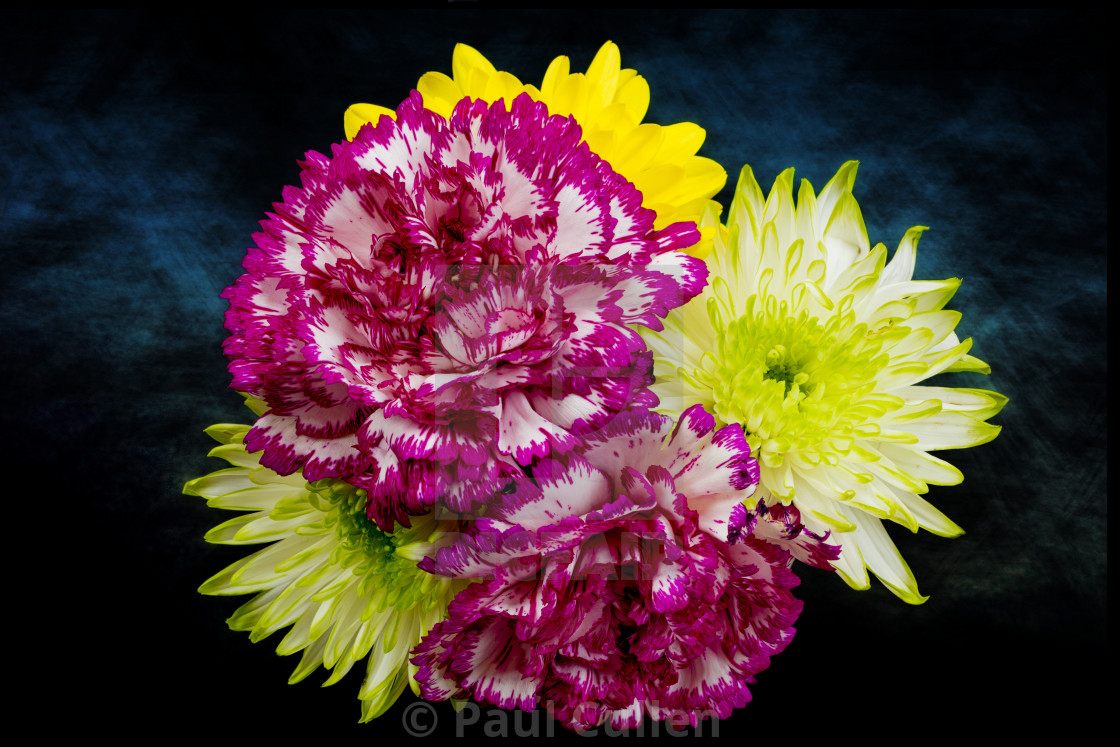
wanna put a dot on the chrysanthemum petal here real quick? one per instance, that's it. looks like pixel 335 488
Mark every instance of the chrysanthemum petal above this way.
pixel 952 430
pixel 603 72
pixel 920 465
pixel 883 558
pixel 440 94
pixel 227 432
pixel 220 483
pixel 465 60
pixel 928 517
pixel 359 114
pixel 845 235
pixel 979 403
pixel 901 267
pixel 851 566
pixel 235 454
pixel 971 364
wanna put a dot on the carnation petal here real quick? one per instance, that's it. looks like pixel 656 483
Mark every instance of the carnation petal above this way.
pixel 572 489
pixel 286 448
pixel 493 668
pixel 525 434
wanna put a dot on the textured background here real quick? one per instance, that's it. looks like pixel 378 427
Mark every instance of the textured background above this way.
pixel 139 151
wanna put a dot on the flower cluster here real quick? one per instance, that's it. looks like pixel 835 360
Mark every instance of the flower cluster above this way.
pixel 535 427
pixel 349 590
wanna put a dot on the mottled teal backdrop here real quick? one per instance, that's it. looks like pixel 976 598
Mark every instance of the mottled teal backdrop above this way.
pixel 138 151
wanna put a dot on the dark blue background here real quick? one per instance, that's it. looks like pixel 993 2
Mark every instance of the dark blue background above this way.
pixel 139 151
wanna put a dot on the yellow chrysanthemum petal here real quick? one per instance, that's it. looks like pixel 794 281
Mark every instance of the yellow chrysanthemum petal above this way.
pixel 440 94
pixel 359 114
pixel 557 71
pixel 602 74
pixel 468 63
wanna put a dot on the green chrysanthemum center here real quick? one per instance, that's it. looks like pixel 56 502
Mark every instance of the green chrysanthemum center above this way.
pixel 350 519
pixel 370 552
pixel 784 371
pixel 797 384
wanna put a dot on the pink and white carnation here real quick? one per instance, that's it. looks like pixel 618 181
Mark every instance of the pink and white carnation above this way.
pixel 445 301
pixel 626 580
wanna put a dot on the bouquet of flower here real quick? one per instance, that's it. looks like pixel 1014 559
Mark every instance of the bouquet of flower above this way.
pixel 535 427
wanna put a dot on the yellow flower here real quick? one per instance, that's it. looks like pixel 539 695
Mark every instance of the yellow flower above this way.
pixel 807 337
pixel 609 103
pixel 348 590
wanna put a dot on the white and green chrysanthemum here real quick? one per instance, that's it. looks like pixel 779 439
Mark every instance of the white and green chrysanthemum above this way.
pixel 348 590
pixel 811 340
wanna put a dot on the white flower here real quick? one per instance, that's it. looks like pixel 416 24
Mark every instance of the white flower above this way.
pixel 807 337
pixel 348 590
